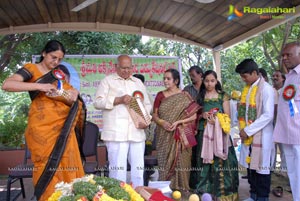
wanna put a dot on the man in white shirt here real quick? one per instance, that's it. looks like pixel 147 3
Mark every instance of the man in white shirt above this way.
pixel 278 79
pixel 123 140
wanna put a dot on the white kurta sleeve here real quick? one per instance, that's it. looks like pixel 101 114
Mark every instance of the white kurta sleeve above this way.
pixel 104 96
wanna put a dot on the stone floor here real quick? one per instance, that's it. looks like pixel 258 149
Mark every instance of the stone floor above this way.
pixel 243 188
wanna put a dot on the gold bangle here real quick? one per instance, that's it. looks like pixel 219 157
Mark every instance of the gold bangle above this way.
pixel 160 121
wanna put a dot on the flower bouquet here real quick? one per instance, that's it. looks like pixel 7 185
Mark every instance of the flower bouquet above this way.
pixel 94 188
pixel 224 121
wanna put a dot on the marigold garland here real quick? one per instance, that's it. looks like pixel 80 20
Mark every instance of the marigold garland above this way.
pixel 133 194
pixel 251 113
pixel 248 159
pixel 224 120
pixel 55 196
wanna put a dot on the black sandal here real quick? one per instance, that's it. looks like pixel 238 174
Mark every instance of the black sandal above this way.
pixel 277 191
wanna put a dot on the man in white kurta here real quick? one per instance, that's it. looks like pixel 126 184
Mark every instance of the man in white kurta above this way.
pixel 123 140
pixel 287 128
pixel 259 179
pixel 267 130
pixel 278 79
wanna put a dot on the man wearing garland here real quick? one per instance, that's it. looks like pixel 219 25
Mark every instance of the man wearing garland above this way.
pixel 255 114
pixel 288 116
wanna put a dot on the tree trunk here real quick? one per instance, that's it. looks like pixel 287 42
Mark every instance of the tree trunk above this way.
pixel 9 43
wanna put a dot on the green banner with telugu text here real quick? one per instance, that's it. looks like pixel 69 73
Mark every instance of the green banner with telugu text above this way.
pixel 87 71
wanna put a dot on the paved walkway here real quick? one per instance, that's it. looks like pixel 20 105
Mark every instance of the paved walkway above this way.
pixel 243 189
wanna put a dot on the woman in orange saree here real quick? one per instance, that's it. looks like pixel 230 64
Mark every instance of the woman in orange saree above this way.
pixel 50 117
pixel 174 160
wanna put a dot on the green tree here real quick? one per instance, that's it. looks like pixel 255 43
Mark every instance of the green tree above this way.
pixel 189 54
pixel 265 49
pixel 17 49
pixel 274 40
pixel 13 113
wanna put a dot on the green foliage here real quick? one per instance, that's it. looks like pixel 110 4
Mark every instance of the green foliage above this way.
pixel 13 121
pixel 85 188
pixel 14 106
pixel 190 54
pixel 112 187
pixel 99 43
pixel 264 49
pixel 74 42
pixel 232 57
pixel 118 193
pixel 107 182
pixel 67 198
pixel 12 132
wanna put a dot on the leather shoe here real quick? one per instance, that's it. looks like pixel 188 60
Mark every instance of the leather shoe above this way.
pixel 277 191
pixel 245 177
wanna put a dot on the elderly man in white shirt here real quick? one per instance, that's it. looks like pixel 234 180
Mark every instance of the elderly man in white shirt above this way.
pixel 123 140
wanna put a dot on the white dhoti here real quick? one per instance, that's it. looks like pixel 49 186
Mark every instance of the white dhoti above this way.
pixel 292 156
pixel 119 153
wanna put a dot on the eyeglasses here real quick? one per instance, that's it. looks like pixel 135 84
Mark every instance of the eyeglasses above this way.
pixel 53 57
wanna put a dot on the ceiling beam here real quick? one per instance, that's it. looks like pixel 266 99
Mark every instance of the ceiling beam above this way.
pixel 106 27
pixel 83 5
pixel 96 27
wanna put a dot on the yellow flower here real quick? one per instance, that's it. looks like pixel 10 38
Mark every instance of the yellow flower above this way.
pixel 236 95
pixel 92 181
pixel 252 99
pixel 242 124
pixel 248 159
pixel 251 112
pixel 244 94
pixel 224 120
pixel 252 103
pixel 55 196
pixel 248 141
pixel 133 194
pixel 105 197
